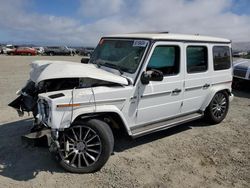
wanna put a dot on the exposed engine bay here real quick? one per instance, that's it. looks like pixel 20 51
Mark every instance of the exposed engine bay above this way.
pixel 50 76
pixel 28 96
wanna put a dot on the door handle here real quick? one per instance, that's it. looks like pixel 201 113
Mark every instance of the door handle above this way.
pixel 206 86
pixel 133 99
pixel 175 91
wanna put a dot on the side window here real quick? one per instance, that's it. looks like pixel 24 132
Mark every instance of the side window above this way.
pixel 166 59
pixel 197 59
pixel 221 58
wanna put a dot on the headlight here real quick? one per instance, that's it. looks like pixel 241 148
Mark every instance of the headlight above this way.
pixel 44 110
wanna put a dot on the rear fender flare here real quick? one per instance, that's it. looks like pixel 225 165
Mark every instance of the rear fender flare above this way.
pixel 215 89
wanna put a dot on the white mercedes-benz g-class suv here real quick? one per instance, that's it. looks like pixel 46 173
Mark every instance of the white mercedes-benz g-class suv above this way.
pixel 139 83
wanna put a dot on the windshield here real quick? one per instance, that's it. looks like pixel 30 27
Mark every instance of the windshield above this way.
pixel 123 55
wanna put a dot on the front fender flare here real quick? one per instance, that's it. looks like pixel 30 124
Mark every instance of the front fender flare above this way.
pixel 71 117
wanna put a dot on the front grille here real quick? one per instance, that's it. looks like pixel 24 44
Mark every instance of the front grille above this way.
pixel 240 72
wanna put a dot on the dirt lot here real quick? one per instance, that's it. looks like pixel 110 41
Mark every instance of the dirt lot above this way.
pixel 191 155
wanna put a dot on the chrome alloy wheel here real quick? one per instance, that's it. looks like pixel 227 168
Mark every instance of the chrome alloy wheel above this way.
pixel 80 147
pixel 219 105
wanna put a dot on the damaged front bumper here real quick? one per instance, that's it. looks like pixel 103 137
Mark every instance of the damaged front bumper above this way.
pixel 26 100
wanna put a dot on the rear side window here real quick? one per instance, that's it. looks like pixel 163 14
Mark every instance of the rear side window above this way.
pixel 221 55
pixel 197 59
pixel 166 59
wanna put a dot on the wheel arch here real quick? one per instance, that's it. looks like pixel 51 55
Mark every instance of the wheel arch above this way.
pixel 111 115
pixel 213 91
pixel 113 119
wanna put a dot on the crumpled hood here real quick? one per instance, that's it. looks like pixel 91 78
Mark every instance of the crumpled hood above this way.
pixel 47 69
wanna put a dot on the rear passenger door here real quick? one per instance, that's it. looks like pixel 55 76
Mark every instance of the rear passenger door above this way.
pixel 197 76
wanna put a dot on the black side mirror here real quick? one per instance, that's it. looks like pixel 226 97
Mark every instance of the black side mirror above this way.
pixel 151 75
pixel 85 60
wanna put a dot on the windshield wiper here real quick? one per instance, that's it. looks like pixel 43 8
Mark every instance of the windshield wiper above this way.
pixel 99 64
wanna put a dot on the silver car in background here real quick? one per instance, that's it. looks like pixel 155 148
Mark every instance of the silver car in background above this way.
pixel 241 74
pixel 242 69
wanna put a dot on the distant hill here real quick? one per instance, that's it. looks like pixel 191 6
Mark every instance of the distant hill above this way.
pixel 241 46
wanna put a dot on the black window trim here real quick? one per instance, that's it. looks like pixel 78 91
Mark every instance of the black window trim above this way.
pixel 202 45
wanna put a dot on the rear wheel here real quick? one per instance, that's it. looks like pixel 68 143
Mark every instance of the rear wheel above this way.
pixel 86 146
pixel 218 108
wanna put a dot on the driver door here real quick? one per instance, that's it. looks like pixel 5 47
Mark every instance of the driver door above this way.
pixel 161 100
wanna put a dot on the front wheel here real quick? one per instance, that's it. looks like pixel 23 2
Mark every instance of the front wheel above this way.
pixel 218 108
pixel 86 146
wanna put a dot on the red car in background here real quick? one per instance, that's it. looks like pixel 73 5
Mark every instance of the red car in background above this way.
pixel 23 51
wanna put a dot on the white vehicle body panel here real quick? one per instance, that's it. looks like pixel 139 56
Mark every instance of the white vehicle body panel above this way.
pixel 157 97
pixel 194 91
pixel 98 99
pixel 199 88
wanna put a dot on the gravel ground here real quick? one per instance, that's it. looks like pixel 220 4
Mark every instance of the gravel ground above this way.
pixel 192 155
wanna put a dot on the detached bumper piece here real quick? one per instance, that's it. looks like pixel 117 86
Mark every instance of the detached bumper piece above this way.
pixel 24 103
pixel 39 138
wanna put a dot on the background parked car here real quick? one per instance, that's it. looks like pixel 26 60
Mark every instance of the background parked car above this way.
pixel 23 51
pixel 72 50
pixel 40 50
pixel 1 49
pixel 8 48
pixel 88 51
pixel 241 73
pixel 242 69
pixel 57 50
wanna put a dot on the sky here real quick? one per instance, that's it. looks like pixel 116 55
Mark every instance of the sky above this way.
pixel 83 22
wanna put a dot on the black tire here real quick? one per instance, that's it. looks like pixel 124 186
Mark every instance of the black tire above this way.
pixel 92 154
pixel 218 108
pixel 51 53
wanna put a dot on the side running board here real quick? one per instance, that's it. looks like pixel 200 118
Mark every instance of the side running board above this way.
pixel 165 124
